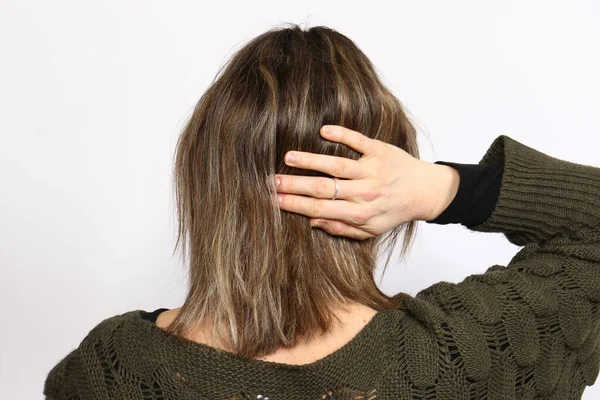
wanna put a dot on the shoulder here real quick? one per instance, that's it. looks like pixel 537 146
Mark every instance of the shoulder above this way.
pixel 63 376
pixel 111 323
pixel 102 330
pixel 108 326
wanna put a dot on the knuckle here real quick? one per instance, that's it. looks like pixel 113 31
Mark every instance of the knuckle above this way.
pixel 362 141
pixel 371 193
pixel 335 228
pixel 380 143
pixel 339 167
pixel 288 184
pixel 382 148
pixel 359 217
pixel 315 208
pixel 364 217
pixel 320 188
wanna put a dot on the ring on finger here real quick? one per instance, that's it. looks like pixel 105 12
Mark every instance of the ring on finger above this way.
pixel 336 188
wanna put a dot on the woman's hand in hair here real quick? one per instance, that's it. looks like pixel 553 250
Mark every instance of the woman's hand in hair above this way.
pixel 383 189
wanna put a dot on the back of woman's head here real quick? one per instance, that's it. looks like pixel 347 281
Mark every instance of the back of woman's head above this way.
pixel 263 276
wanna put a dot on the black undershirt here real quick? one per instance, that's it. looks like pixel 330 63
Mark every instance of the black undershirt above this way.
pixel 151 316
pixel 473 203
pixel 477 194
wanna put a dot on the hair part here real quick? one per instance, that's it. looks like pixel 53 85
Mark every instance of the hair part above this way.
pixel 262 276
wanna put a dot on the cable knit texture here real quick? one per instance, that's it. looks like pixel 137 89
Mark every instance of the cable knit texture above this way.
pixel 528 330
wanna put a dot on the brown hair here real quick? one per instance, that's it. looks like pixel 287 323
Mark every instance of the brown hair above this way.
pixel 263 276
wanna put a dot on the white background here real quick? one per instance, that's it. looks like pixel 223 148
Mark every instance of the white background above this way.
pixel 93 95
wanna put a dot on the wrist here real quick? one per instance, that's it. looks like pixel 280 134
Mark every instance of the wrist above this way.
pixel 442 186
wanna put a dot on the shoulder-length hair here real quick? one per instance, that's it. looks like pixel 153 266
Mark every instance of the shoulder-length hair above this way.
pixel 262 275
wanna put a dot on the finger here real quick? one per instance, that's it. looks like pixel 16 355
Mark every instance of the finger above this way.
pixel 318 187
pixel 356 140
pixel 339 228
pixel 317 208
pixel 340 167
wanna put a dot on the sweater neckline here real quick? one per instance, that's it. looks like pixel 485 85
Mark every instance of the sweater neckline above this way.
pixel 218 355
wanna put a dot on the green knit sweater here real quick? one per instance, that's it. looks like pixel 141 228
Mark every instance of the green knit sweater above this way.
pixel 527 330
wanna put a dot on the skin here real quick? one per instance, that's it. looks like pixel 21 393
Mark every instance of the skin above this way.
pixel 386 187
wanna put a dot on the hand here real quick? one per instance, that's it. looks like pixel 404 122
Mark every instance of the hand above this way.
pixel 386 187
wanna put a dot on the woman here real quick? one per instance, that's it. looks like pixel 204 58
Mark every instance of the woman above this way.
pixel 279 310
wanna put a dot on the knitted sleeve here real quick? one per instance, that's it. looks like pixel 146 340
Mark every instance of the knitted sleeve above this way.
pixel 530 328
pixel 60 382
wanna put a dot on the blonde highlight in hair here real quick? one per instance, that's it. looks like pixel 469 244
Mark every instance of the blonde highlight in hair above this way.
pixel 262 276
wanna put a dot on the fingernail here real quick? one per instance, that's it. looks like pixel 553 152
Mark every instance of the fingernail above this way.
pixel 316 224
pixel 277 182
pixel 280 199
pixel 292 158
pixel 326 130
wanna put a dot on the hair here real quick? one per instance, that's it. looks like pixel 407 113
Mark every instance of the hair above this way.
pixel 262 275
